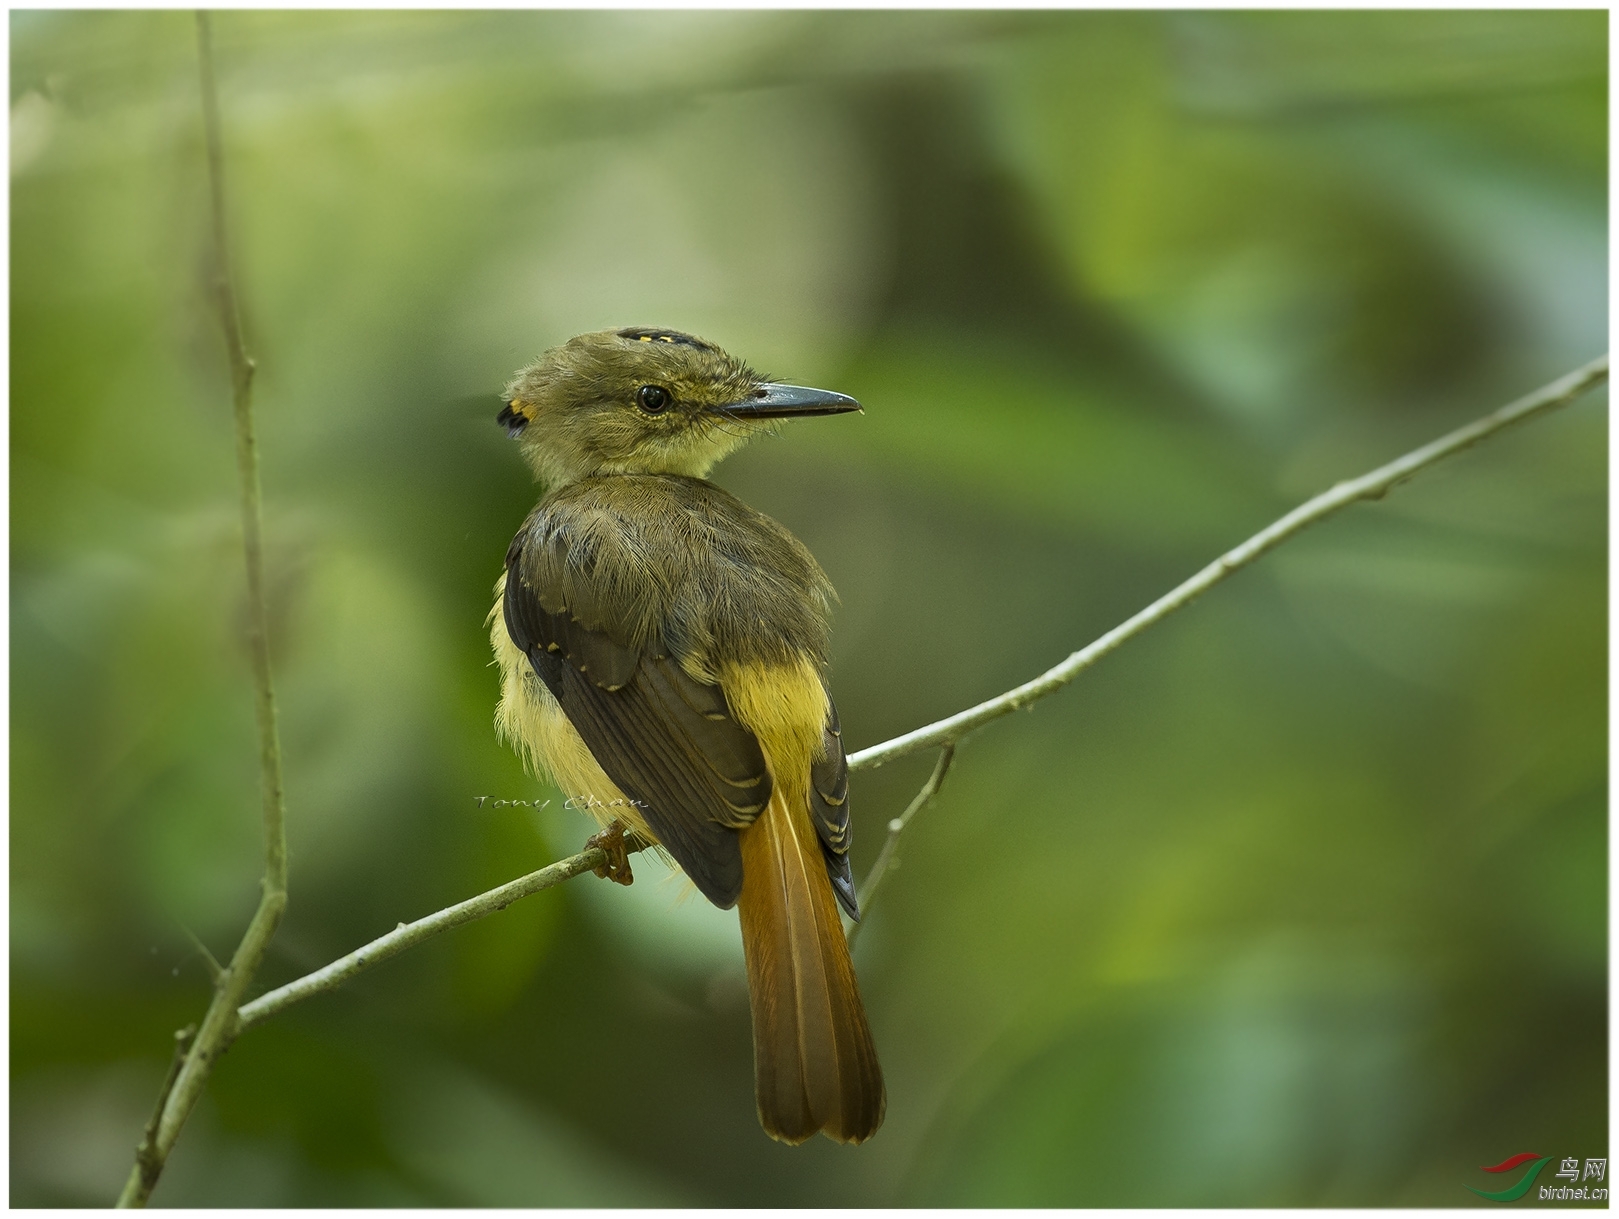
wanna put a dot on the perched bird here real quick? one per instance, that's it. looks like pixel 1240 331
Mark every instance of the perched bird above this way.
pixel 662 649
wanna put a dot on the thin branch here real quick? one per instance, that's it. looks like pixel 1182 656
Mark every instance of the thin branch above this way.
pixel 219 1023
pixel 1368 486
pixel 408 935
pixel 948 731
pixel 886 857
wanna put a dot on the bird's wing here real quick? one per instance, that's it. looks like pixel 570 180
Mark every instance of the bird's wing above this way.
pixel 829 808
pixel 667 740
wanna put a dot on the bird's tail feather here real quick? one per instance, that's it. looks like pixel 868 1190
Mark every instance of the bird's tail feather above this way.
pixel 815 1067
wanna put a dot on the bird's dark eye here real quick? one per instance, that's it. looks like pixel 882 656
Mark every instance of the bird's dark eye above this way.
pixel 653 399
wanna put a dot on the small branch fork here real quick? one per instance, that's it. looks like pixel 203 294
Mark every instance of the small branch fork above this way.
pixel 1374 485
pixel 196 1048
pixel 887 857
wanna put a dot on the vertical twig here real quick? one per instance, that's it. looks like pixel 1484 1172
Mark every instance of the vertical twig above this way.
pixel 219 1025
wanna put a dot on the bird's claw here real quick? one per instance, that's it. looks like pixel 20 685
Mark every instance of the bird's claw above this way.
pixel 611 841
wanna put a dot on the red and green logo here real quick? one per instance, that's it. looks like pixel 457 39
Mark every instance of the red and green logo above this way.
pixel 1517 1190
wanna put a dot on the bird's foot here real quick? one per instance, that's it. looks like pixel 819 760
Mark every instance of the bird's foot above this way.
pixel 617 867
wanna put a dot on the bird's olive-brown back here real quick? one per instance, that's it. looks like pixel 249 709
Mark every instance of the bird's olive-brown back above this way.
pixel 665 562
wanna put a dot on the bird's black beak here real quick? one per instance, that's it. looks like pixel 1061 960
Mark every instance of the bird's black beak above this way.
pixel 775 401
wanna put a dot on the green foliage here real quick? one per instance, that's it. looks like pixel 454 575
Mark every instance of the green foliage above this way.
pixel 1300 899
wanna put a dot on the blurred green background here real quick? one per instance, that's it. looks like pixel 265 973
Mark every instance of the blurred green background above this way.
pixel 1299 899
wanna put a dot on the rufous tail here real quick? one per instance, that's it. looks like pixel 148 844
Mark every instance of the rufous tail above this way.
pixel 814 1064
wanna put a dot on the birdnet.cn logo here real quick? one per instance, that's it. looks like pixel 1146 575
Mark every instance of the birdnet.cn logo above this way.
pixel 1587 1183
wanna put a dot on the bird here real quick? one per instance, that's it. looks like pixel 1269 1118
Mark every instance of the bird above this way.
pixel 662 649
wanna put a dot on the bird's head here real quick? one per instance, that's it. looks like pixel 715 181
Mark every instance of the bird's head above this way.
pixel 645 401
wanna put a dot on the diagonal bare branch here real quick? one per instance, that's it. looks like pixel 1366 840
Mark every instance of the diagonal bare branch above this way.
pixel 1368 486
pixel 408 935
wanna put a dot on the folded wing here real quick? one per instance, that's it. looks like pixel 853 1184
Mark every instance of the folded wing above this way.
pixel 667 740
